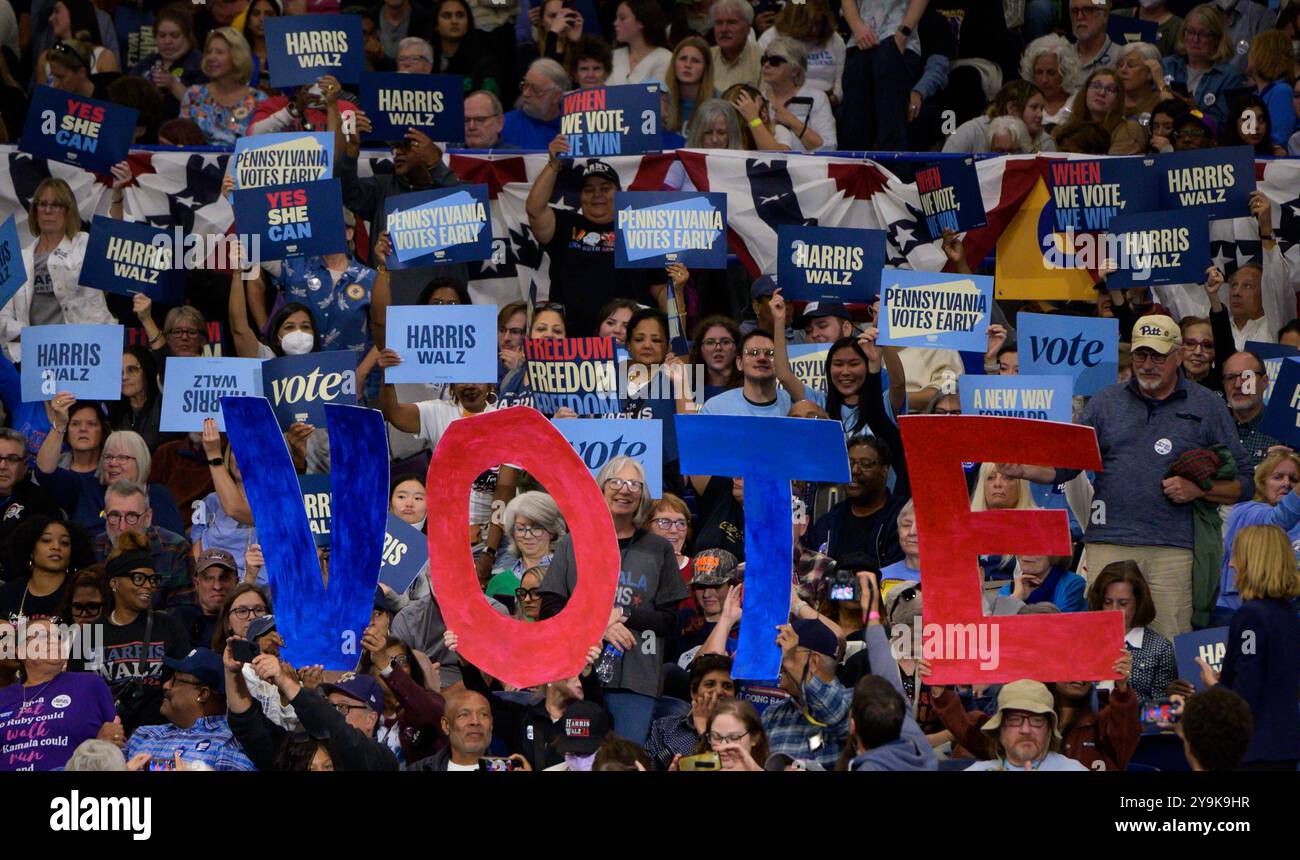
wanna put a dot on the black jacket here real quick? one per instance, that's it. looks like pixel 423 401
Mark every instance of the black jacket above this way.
pixel 349 748
pixel 26 501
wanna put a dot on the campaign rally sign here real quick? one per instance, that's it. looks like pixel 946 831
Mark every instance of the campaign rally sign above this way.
pixel 1083 348
pixel 620 120
pixel 443 343
pixel 297 220
pixel 193 388
pixel 395 102
pixel 656 228
pixel 1211 183
pixel 950 197
pixel 13 274
pixel 808 362
pixel 1045 398
pixel 1210 644
pixel 406 550
pixel 835 264
pixel 129 257
pixel 302 48
pixel 283 159
pixel 577 372
pixel 1272 354
pixel 445 225
pixel 1159 248
pixel 1123 29
pixel 317 496
pixel 935 310
pixel 83 360
pixel 599 440
pixel 77 130
pixel 299 386
pixel 1087 193
pixel 1282 414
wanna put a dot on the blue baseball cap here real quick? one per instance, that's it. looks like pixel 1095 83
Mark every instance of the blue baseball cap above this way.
pixel 363 688
pixel 816 636
pixel 813 310
pixel 202 663
pixel 764 285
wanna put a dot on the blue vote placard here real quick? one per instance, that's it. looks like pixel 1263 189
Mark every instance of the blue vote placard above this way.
pixel 579 373
pixel 83 360
pixel 1282 414
pixel 77 130
pixel 934 310
pixel 950 197
pixel 301 220
pixel 129 257
pixel 1159 248
pixel 1123 29
pixel 317 499
pixel 1210 644
pixel 597 440
pixel 287 158
pixel 619 120
pixel 833 264
pixel 302 48
pixel 1086 193
pixel 299 386
pixel 654 229
pixel 406 550
pixel 395 102
pixel 443 343
pixel 13 274
pixel 445 225
pixel 1207 183
pixel 1045 398
pixel 1272 354
pixel 1082 348
pixel 193 388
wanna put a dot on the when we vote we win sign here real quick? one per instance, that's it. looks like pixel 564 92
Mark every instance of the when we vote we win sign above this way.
pixel 1087 194
pixel 621 120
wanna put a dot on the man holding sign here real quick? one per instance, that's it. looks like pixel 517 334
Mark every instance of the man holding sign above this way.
pixel 581 244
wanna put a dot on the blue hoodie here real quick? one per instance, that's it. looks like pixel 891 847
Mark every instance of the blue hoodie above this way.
pixel 911 750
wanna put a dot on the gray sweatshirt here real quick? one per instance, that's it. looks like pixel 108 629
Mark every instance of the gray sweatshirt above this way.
pixel 911 751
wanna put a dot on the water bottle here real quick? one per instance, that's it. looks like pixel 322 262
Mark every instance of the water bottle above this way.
pixel 609 660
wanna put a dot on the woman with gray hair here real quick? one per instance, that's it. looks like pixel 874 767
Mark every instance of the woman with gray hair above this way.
pixel 716 125
pixel 96 754
pixel 1052 63
pixel 803 115
pixel 532 522
pixel 1141 80
pixel 645 603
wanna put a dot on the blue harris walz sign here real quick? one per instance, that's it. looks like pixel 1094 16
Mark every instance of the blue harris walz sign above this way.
pixel 302 48
pixel 1085 349
pixel 1159 248
pixel 450 343
pixel 619 120
pixel 406 549
pixel 395 102
pixel 128 257
pixel 1213 183
pixel 654 229
pixel 835 264
pixel 445 225
pixel 193 388
pixel 77 130
pixel 13 274
pixel 83 360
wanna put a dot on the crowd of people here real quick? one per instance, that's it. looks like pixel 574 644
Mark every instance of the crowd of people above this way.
pixel 146 540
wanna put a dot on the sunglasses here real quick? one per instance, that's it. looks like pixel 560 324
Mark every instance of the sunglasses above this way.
pixel 528 594
pixel 92 608
pixel 773 60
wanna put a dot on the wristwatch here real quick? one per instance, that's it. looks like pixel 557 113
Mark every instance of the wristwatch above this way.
pixel 905 30
pixel 217 461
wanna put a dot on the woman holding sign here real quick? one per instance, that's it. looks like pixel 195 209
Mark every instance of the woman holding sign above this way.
pixel 51 294
pixel 177 64
pixel 223 107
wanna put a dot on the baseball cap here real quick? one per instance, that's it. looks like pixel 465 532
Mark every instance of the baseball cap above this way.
pixel 780 761
pixel 813 310
pixel 363 688
pixel 215 558
pixel 816 636
pixel 585 725
pixel 259 627
pixel 1195 117
pixel 1157 332
pixel 600 170
pixel 764 285
pixel 714 567
pixel 202 663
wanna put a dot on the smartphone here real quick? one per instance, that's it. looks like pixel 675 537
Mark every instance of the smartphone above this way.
pixel 244 651
pixel 1178 88
pixel 703 761
pixel 844 586
pixel 804 102
pixel 1161 711
pixel 496 763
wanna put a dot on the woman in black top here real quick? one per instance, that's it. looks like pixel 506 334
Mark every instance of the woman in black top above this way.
pixel 47 550
pixel 140 408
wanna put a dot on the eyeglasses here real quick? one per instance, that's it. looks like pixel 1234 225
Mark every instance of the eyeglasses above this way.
pixel 12 459
pixel 528 594
pixel 1099 87
pixel 715 738
pixel 772 60
pixel 1197 35
pixel 513 332
pixel 942 411
pixel 417 58
pixel 130 517
pixel 1190 134
pixel 529 87
pixel 670 525
pixel 183 332
pixel 1036 721
pixel 754 352
pixel 51 206
pixel 620 483
pixel 549 306
pixel 118 458
pixel 1144 356
pixel 863 465
pixel 528 531
pixel 140 580
pixel 481 120
pixel 92 608
pixel 242 612
pixel 718 343
pixel 1206 345
pixel 1235 378
pixel 344 707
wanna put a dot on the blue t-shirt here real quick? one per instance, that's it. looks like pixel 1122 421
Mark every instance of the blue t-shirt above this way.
pixel 734 402
pixel 527 133
pixel 341 310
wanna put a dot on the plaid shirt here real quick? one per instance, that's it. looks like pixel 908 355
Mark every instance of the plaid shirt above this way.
pixel 208 741
pixel 671 736
pixel 172 558
pixel 790 732
pixel 1255 442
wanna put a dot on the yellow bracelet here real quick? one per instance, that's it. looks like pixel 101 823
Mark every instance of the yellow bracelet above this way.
pixel 755 122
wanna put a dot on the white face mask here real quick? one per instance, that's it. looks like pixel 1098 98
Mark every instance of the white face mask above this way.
pixel 1150 4
pixel 297 343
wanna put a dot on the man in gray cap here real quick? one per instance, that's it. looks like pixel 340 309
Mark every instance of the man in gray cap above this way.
pixel 215 576
pixel 715 575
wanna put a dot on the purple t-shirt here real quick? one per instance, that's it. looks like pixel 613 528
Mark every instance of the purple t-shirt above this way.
pixel 42 732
